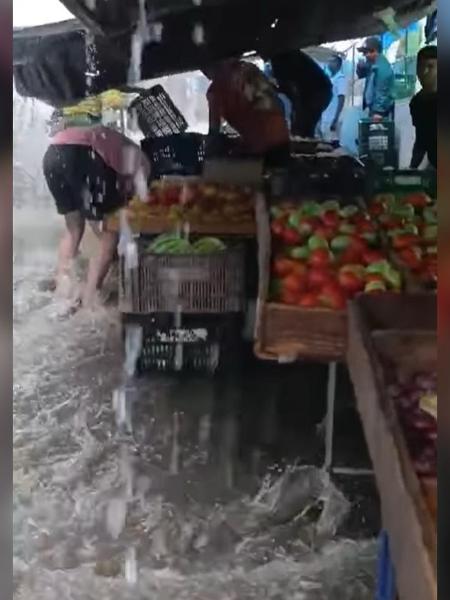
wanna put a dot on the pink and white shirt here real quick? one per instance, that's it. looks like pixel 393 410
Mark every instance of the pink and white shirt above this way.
pixel 119 152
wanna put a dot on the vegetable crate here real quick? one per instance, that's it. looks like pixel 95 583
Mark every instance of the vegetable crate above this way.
pixel 401 182
pixel 319 176
pixel 292 332
pixel 157 115
pixel 377 143
pixel 181 154
pixel 188 343
pixel 188 284
pixel 399 330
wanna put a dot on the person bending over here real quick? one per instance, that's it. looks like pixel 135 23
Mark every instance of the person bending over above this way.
pixel 91 171
pixel 307 86
pixel 241 95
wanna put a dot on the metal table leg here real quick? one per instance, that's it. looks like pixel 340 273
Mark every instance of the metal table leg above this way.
pixel 329 423
pixel 329 429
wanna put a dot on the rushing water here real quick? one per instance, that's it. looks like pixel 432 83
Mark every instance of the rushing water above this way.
pixel 156 488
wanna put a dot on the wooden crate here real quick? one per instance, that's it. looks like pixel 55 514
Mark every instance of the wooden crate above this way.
pixel 387 326
pixel 156 225
pixel 290 332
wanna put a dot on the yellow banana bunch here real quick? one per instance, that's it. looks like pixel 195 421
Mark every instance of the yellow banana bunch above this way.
pixel 112 99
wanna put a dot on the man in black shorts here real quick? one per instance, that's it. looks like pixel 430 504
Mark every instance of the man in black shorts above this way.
pixel 91 171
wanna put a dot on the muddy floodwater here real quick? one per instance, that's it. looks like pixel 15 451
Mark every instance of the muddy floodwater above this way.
pixel 169 487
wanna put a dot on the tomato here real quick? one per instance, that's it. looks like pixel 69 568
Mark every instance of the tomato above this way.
pixel 366 227
pixel 327 233
pixel 308 300
pixel 350 282
pixel 372 256
pixel 308 225
pixel 376 209
pixel 282 266
pixel 318 277
pixel 411 257
pixel 299 268
pixel 350 256
pixel 418 200
pixel 288 297
pixel 277 228
pixel 332 296
pixel 405 240
pixel 330 218
pixel 389 222
pixel 372 278
pixel 358 219
pixel 320 258
pixel 357 244
pixel 294 283
pixel 291 237
pixel 170 195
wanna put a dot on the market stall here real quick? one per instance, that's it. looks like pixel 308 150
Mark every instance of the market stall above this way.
pixel 354 281
pixel 339 261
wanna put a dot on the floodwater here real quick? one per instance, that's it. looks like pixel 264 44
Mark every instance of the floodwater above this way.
pixel 182 487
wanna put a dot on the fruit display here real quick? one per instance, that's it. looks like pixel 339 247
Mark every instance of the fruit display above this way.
pixel 323 255
pixel 175 244
pixel 195 202
pixel 415 399
pixel 410 232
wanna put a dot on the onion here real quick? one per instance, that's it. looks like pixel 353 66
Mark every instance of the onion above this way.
pixel 425 382
pixel 422 421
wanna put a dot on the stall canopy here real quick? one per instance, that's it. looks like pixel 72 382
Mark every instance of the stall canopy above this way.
pixel 51 62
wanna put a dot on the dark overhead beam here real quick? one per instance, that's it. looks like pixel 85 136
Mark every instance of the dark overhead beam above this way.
pixel 86 16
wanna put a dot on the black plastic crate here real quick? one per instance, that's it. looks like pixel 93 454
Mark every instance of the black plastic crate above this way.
pixel 180 154
pixel 157 115
pixel 188 343
pixel 319 176
pixel 401 182
pixel 377 144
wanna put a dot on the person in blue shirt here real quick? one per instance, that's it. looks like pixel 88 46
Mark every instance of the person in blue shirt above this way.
pixel 379 88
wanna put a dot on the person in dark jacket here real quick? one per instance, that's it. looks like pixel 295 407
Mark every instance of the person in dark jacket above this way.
pixel 423 109
pixel 378 96
pixel 308 87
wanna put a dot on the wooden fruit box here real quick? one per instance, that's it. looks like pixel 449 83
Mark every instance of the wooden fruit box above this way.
pixel 402 329
pixel 155 225
pixel 289 332
pixel 154 220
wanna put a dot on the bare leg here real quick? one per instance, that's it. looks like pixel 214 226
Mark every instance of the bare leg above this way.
pixel 95 227
pixel 99 265
pixel 69 245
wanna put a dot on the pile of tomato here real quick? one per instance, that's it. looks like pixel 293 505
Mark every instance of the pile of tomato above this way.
pixel 323 255
pixel 410 229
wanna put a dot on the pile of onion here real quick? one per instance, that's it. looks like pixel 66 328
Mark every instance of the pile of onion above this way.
pixel 420 426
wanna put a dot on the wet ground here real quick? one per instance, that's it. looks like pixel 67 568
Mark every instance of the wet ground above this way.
pixel 182 487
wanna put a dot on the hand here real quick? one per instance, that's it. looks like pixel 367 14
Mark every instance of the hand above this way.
pixel 377 118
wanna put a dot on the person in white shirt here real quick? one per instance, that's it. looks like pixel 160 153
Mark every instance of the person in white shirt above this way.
pixel 332 116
